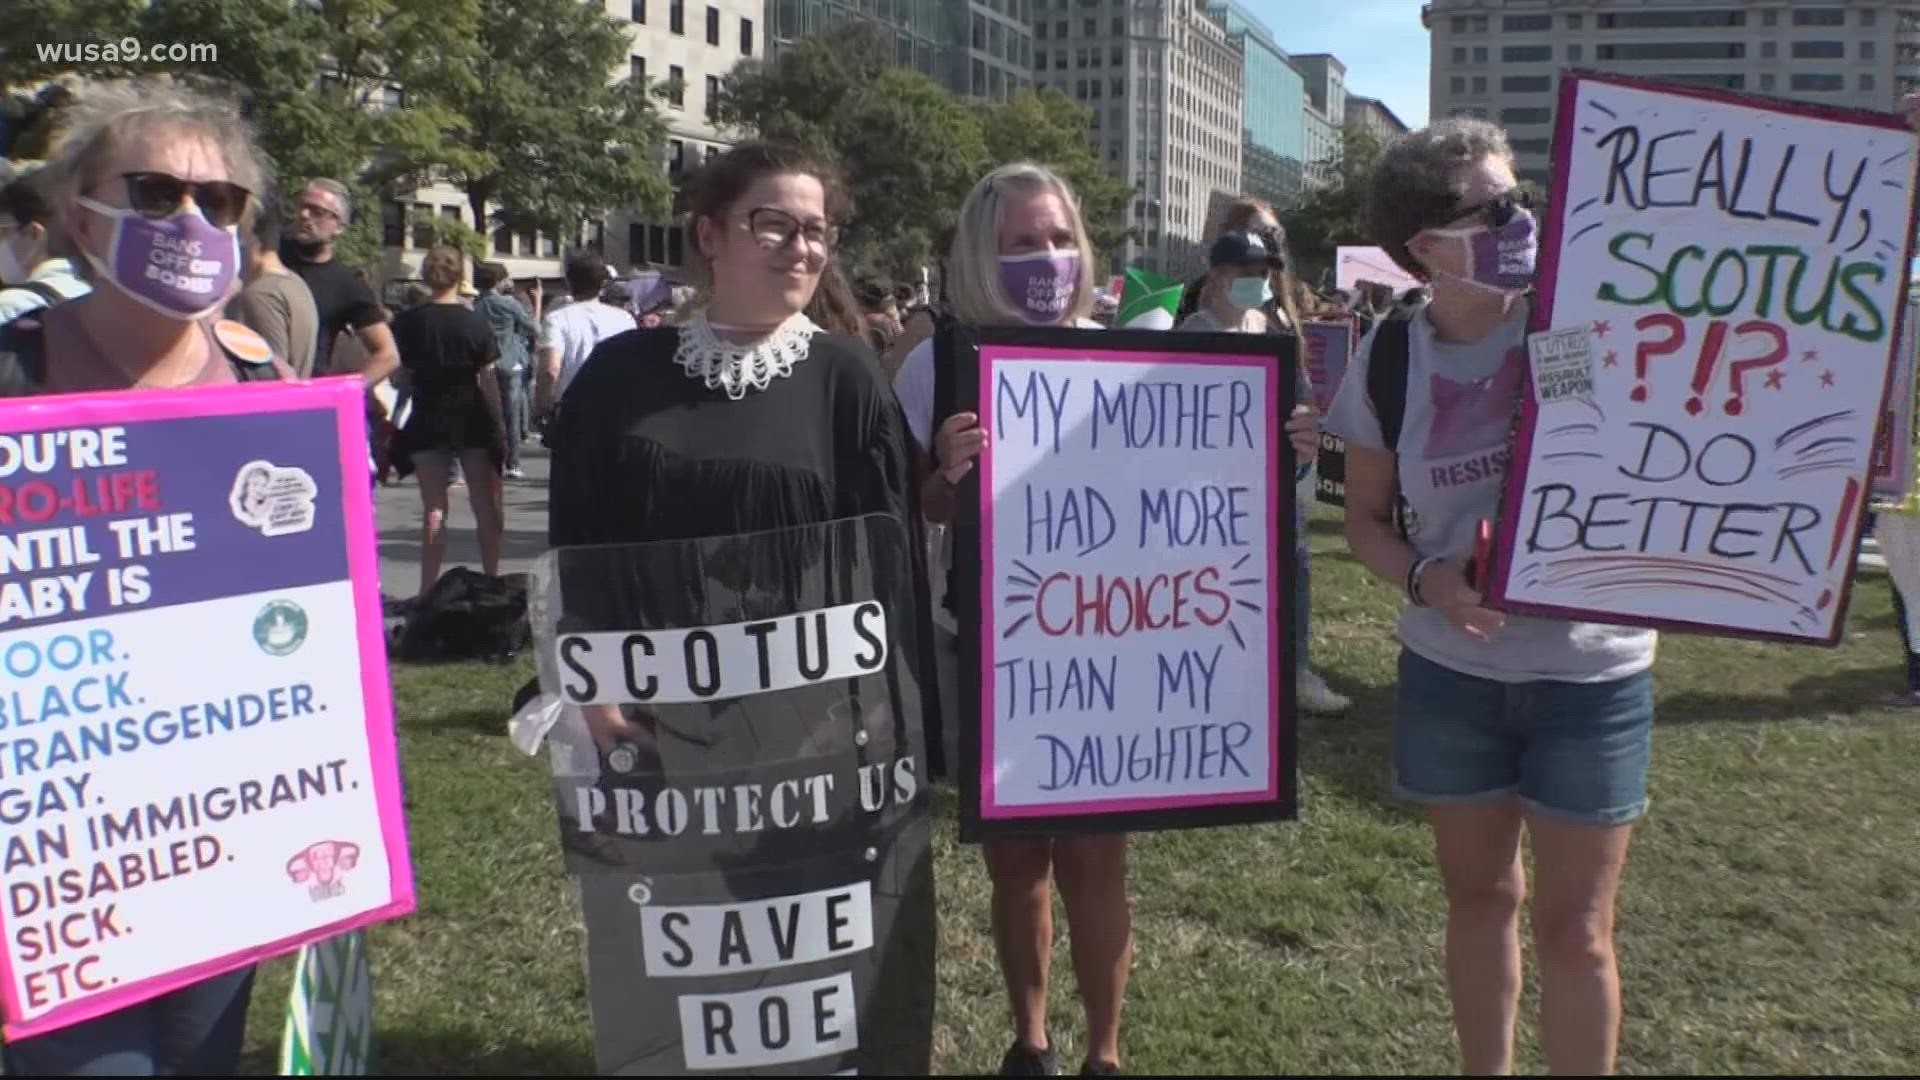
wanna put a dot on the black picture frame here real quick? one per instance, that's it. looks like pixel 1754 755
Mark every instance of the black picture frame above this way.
pixel 961 344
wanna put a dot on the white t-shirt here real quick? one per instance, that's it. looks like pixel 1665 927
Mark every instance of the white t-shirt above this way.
pixel 576 330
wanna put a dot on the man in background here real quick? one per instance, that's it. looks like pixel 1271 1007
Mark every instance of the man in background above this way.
pixel 274 302
pixel 513 331
pixel 344 302
pixel 569 334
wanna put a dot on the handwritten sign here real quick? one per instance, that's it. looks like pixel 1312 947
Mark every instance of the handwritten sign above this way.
pixel 1893 453
pixel 1329 347
pixel 753 862
pixel 197 766
pixel 1126 547
pixel 1722 287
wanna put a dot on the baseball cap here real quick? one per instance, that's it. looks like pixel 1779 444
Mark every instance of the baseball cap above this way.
pixel 1240 249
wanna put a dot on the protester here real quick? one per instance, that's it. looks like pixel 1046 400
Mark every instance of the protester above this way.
pixel 746 417
pixel 450 355
pixel 32 276
pixel 1021 256
pixel 514 329
pixel 570 333
pixel 321 212
pixel 1504 722
pixel 275 303
pixel 138 169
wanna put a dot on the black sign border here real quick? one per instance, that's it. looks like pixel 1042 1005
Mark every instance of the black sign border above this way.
pixel 963 343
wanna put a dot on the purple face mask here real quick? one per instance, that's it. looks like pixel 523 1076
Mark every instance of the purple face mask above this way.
pixel 1500 260
pixel 182 267
pixel 1041 285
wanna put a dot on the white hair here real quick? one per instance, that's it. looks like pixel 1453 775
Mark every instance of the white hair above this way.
pixel 973 265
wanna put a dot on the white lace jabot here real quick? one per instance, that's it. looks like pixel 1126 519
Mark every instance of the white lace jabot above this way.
pixel 722 365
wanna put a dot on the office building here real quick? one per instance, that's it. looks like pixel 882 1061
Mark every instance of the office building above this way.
pixel 979 49
pixel 1273 134
pixel 1325 114
pixel 1501 59
pixel 1371 116
pixel 1166 87
pixel 693 43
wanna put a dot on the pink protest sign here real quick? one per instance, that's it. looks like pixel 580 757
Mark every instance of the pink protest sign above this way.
pixel 1127 547
pixel 197 762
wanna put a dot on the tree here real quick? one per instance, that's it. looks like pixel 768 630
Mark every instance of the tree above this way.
pixel 1049 128
pixel 909 149
pixel 1328 217
pixel 531 121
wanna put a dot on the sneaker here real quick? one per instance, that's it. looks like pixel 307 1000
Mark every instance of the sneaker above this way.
pixel 1022 1061
pixel 1318 698
pixel 1099 1068
pixel 516 473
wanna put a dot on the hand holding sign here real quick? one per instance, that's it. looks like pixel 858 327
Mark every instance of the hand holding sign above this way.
pixel 1303 431
pixel 1444 585
pixel 959 440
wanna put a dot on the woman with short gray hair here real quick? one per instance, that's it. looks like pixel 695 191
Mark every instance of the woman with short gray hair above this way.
pixel 140 171
pixel 1505 723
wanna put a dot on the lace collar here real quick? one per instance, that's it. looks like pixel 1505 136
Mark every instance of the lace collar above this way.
pixel 722 365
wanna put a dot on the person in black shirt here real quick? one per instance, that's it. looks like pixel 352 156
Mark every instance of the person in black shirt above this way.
pixel 449 351
pixel 345 303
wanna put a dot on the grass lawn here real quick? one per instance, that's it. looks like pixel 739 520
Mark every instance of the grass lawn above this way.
pixel 1770 918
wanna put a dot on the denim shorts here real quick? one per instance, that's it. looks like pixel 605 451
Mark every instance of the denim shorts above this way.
pixel 1575 751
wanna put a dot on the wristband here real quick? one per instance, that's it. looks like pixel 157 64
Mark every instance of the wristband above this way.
pixel 1414 575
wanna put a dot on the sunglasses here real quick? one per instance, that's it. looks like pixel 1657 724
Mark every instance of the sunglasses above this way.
pixel 158 195
pixel 1499 209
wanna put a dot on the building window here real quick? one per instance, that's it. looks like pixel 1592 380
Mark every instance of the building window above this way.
pixel 422 225
pixel 676 156
pixel 677 16
pixel 1040 61
pixel 1118 55
pixel 1574 53
pixel 713 96
pixel 549 246
pixel 1480 54
pixel 1768 50
pixel 1819 50
pixel 637 11
pixel 1526 54
pixel 1459 54
pixel 503 241
pixel 1040 31
pixel 393 224
pixel 1866 17
pixel 1458 84
pixel 713 25
pixel 1766 82
pixel 1093 27
pixel 1768 18
pixel 1819 17
pixel 746 37
pixel 1526 84
pixel 677 76
pixel 1866 50
pixel 1479 84
pixel 1459 24
pixel 1526 116
pixel 1573 22
pixel 637 68
pixel 1119 87
pixel 1672 20
pixel 1866 82
pixel 1532 146
pixel 1673 50
pixel 1119 26
pixel 1526 24
pixel 1818 83
pixel 712 152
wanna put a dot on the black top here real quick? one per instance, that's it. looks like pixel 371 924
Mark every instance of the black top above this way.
pixel 445 348
pixel 642 453
pixel 343 301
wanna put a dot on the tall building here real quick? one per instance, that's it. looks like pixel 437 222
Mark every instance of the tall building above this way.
pixel 1273 135
pixel 1166 88
pixel 1325 114
pixel 1501 59
pixel 691 42
pixel 1372 116
pixel 975 48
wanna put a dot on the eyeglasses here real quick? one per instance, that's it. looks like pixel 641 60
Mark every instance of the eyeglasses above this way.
pixel 775 229
pixel 1497 210
pixel 158 195
pixel 313 209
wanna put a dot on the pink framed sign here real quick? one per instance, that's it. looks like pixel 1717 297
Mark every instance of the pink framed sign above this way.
pixel 1124 573
pixel 1722 287
pixel 198 750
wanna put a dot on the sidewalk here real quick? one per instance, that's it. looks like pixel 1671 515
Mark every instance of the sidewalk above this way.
pixel 397 509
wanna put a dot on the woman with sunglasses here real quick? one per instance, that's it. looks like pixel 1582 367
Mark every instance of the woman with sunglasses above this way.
pixel 1505 724
pixel 139 170
pixel 748 415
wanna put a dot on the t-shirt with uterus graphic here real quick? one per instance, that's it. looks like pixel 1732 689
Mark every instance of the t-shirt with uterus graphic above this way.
pixel 1456 441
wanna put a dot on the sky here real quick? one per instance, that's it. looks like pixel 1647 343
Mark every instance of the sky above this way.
pixel 1381 42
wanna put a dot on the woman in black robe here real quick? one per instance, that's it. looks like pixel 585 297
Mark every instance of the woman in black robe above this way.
pixel 748 416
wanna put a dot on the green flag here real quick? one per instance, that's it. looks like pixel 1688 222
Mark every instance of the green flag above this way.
pixel 1149 301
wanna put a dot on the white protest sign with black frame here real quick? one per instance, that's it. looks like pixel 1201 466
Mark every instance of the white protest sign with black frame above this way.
pixel 1124 563
pixel 752 854
pixel 1722 286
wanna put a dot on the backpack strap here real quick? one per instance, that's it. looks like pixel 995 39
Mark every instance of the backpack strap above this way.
pixel 49 296
pixel 944 406
pixel 247 352
pixel 23 357
pixel 1387 364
